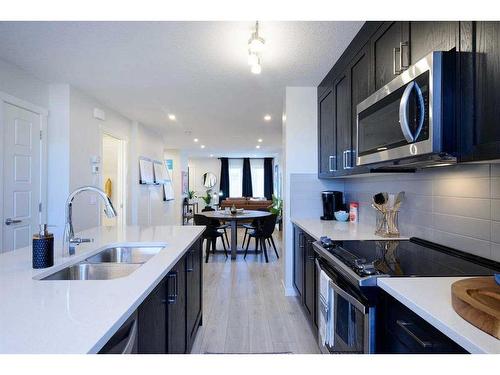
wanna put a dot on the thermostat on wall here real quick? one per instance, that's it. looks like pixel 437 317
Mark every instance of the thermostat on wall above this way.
pixel 99 114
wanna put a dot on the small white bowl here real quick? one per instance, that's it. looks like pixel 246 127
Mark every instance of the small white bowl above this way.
pixel 341 215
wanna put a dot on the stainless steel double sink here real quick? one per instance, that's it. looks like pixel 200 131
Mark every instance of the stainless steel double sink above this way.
pixel 110 263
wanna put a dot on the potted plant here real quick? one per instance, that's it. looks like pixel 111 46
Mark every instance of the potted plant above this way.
pixel 277 209
pixel 207 198
pixel 191 196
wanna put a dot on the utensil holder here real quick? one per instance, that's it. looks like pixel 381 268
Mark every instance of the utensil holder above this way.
pixel 387 223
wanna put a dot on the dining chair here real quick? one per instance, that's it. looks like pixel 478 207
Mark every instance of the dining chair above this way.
pixel 252 225
pixel 262 233
pixel 219 225
pixel 211 233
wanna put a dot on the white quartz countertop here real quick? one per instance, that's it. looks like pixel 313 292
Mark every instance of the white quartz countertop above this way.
pixel 337 230
pixel 430 298
pixel 80 316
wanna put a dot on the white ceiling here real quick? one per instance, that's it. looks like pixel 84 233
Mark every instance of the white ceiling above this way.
pixel 196 70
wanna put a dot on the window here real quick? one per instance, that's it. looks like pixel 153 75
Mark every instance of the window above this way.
pixel 257 170
pixel 235 177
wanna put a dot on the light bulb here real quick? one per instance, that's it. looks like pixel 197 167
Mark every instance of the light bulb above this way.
pixel 253 59
pixel 256 69
pixel 256 45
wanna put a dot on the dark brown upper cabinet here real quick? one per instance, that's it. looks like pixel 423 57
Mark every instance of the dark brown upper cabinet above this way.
pixel 342 125
pixel 397 45
pixel 479 91
pixel 327 137
pixel 389 53
pixel 426 36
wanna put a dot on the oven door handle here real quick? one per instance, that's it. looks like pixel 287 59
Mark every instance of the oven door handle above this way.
pixel 403 112
pixel 352 300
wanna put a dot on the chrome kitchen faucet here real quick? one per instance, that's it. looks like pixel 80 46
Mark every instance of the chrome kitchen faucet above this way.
pixel 70 241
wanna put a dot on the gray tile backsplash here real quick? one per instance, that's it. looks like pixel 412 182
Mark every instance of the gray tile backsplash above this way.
pixel 305 194
pixel 455 206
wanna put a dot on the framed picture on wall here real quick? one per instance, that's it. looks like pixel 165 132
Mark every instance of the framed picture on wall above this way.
pixel 161 173
pixel 146 173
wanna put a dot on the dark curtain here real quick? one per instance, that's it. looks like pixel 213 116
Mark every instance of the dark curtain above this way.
pixel 224 178
pixel 247 178
pixel 268 178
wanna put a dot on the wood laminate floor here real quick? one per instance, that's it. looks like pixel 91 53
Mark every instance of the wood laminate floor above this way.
pixel 245 309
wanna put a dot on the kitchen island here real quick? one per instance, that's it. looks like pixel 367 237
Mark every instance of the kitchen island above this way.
pixel 75 316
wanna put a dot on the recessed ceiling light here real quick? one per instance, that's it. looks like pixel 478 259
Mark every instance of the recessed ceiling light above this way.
pixel 267 117
pixel 258 146
pixel 202 146
pixel 171 116
pixel 195 140
pixel 259 140
pixel 211 155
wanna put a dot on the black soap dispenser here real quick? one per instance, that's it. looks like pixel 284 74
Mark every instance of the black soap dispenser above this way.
pixel 43 248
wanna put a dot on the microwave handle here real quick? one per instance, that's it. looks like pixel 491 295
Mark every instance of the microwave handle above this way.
pixel 403 112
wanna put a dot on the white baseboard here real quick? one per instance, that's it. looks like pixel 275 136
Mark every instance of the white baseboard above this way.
pixel 290 292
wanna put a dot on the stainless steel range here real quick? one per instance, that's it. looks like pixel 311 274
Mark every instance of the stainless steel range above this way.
pixel 348 292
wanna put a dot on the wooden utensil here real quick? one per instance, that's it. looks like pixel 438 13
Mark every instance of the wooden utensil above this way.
pixel 477 300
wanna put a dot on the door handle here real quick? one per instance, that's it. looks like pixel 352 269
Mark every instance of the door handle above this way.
pixel 10 221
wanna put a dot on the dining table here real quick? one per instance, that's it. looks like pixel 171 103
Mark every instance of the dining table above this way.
pixel 245 215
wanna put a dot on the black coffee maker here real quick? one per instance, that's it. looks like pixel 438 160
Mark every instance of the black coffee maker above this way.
pixel 332 201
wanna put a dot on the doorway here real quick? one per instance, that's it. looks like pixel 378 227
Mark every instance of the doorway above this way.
pixel 21 161
pixel 114 178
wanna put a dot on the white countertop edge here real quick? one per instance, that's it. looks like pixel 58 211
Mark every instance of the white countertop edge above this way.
pixel 114 328
pixel 355 231
pixel 446 329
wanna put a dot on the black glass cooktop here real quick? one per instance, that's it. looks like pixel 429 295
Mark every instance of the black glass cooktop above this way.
pixel 412 257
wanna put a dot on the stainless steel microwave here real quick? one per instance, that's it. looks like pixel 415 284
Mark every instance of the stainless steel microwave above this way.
pixel 411 120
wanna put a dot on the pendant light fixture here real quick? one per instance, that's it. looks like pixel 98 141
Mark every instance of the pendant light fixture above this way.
pixel 255 49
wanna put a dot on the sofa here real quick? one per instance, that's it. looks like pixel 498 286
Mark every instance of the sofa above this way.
pixel 246 203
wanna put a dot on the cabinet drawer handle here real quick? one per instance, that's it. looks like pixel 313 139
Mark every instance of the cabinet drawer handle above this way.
pixel 405 326
pixel 332 168
pixel 395 51
pixel 172 298
pixel 301 240
pixel 403 66
pixel 190 256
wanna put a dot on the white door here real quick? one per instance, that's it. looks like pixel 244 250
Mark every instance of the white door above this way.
pixel 21 172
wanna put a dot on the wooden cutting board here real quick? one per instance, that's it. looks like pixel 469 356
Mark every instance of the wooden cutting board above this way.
pixel 477 300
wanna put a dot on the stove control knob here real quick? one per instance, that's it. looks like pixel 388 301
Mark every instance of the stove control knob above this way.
pixel 359 263
pixel 369 271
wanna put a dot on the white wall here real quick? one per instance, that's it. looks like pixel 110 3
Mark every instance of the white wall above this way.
pixel 199 166
pixel 299 156
pixel 148 199
pixel 173 209
pixel 22 85
pixel 85 143
pixel 74 136
pixel 58 165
